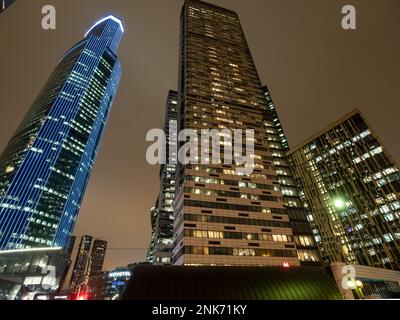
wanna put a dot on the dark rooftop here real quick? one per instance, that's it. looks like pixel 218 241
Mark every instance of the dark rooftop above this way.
pixel 230 283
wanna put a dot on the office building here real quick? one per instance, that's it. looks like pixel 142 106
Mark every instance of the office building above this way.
pixel 162 216
pixel 82 266
pixel 221 217
pixel 152 247
pixel 351 189
pixel 45 168
pixel 98 255
pixel 97 278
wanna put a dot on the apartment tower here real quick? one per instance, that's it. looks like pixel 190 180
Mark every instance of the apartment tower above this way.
pixel 222 217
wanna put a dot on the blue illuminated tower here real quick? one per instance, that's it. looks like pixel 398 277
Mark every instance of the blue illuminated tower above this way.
pixel 44 169
pixel 4 4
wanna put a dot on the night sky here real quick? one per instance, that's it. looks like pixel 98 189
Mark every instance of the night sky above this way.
pixel 316 72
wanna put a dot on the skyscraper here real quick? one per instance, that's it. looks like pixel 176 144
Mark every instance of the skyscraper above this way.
pixel 4 4
pixel 351 187
pixel 97 277
pixel 221 217
pixel 152 247
pixel 98 255
pixel 307 249
pixel 82 266
pixel 46 165
pixel 162 216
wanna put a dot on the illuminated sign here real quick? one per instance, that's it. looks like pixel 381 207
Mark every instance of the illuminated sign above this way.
pixel 119 274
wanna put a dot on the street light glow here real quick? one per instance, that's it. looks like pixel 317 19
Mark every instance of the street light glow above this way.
pixel 339 203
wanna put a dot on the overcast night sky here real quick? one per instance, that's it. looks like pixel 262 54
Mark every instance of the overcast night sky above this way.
pixel 316 72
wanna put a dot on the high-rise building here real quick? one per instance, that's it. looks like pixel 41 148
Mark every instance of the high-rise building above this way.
pixel 87 275
pixel 96 285
pixel 351 187
pixel 152 247
pixel 82 266
pixel 162 216
pixel 4 4
pixel 98 255
pixel 222 217
pixel 116 283
pixel 45 167
pixel 307 249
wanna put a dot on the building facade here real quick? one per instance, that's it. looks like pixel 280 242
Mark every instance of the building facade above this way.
pixel 162 215
pixel 152 247
pixel 44 169
pixel 351 188
pixel 97 278
pixel 307 249
pixel 26 273
pixel 82 266
pixel 98 255
pixel 221 217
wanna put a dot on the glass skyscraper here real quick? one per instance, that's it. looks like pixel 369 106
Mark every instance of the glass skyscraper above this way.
pixel 162 215
pixel 351 185
pixel 46 165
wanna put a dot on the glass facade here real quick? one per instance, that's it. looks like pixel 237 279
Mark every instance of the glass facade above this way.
pixel 162 215
pixel 350 186
pixel 46 165
pixel 219 88
pixel 98 255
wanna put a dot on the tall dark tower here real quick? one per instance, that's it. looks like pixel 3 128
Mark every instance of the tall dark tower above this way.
pixel 45 168
pixel 82 266
pixel 98 255
pixel 162 215
pixel 97 279
pixel 351 186
pixel 222 217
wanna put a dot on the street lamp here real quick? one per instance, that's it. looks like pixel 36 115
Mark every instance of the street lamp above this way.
pixel 356 287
